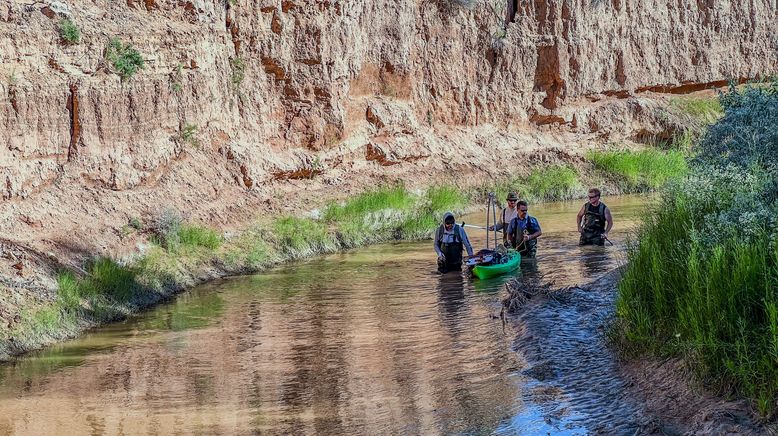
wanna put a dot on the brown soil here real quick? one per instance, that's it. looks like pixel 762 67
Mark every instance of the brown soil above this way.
pixel 668 391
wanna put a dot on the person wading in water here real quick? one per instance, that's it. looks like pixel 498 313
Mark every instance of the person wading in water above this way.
pixel 594 220
pixel 524 231
pixel 506 217
pixel 450 238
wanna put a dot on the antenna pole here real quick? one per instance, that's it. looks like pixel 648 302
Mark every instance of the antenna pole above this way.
pixel 488 206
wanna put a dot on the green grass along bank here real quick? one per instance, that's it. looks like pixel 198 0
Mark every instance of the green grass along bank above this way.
pixel 181 254
pixel 701 281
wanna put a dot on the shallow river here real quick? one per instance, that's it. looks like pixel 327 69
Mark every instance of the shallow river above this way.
pixel 372 341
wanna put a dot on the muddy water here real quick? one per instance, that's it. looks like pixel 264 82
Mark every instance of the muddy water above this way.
pixel 369 342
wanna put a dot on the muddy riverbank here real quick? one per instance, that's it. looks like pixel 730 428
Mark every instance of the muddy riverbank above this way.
pixel 578 376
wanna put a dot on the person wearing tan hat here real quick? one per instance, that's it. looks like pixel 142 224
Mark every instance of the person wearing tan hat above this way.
pixel 508 213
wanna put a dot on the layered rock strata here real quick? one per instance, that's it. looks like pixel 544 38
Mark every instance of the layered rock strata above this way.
pixel 242 105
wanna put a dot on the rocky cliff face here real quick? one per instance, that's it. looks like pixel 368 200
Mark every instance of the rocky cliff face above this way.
pixel 243 102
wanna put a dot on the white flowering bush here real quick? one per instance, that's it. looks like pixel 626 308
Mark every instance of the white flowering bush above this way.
pixel 724 203
pixel 747 135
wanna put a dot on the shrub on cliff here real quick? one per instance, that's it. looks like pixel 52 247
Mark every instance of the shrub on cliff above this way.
pixel 165 227
pixel 69 32
pixel 125 60
pixel 238 74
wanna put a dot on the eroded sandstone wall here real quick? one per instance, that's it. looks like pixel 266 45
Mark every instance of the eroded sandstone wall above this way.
pixel 279 90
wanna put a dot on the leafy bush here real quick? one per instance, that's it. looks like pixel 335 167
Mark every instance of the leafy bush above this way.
pixel 747 135
pixel 126 61
pixel 702 280
pixel 165 227
pixel 69 32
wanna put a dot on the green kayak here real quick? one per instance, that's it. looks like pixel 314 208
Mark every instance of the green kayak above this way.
pixel 508 263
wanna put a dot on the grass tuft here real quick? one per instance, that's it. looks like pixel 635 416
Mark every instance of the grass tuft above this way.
pixel 707 110
pixel 552 183
pixel 299 237
pixel 190 235
pixel 370 205
pixel 640 170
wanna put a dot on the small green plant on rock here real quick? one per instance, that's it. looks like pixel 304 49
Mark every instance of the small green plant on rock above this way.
pixel 176 78
pixel 13 83
pixel 125 60
pixel 316 165
pixel 136 223
pixel 133 225
pixel 238 72
pixel 69 32
pixel 388 89
pixel 189 135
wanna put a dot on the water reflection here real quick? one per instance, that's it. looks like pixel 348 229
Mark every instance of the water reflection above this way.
pixel 451 296
pixel 367 342
pixel 595 260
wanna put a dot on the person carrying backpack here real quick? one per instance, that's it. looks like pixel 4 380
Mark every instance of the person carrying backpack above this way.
pixel 450 239
pixel 524 231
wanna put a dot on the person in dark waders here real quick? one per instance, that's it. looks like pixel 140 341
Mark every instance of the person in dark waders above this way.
pixel 450 238
pixel 594 220
pixel 524 231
